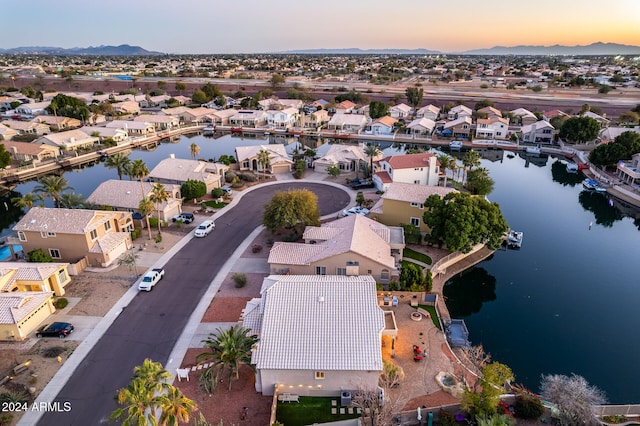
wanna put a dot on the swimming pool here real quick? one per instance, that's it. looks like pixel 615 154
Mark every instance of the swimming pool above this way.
pixel 5 251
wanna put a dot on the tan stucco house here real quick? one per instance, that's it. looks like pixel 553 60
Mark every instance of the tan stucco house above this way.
pixel 279 161
pixel 22 312
pixel 176 171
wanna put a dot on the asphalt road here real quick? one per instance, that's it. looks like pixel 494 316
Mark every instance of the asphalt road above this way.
pixel 152 323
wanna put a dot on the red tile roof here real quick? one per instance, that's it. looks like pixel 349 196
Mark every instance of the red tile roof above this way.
pixel 409 161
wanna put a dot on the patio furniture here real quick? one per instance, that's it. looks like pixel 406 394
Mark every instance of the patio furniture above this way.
pixel 182 373
pixel 288 397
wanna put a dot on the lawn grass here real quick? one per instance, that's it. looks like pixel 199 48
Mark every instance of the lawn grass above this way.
pixel 412 254
pixel 310 410
pixel 214 204
pixel 433 314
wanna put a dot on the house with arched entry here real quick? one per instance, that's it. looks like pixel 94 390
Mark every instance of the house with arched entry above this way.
pixel 249 158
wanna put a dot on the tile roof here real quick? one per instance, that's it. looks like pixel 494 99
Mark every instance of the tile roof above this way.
pixel 180 169
pixel 109 241
pixel 386 120
pixel 338 153
pixel 29 148
pixel 427 123
pixel 409 161
pixel 413 193
pixel 63 221
pixel 538 125
pixel 465 119
pixel 320 323
pixel 277 153
pixel 21 271
pixel 384 177
pixel 15 306
pixel 125 194
pixel 522 112
pixel 68 138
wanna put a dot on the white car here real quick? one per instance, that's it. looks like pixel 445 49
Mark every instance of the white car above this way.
pixel 204 228
pixel 150 279
pixel 355 210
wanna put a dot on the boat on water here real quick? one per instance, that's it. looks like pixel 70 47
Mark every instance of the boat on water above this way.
pixel 592 185
pixel 534 150
pixel 455 145
pixel 514 239
pixel 572 168
pixel 236 130
pixel 208 130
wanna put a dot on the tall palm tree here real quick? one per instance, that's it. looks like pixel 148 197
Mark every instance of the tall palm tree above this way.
pixel 52 186
pixel 372 151
pixel 146 208
pixel 119 162
pixel 138 403
pixel 470 160
pixel 139 170
pixel 444 161
pixel 152 374
pixel 127 169
pixel 263 160
pixel 159 195
pixel 229 349
pixel 175 407
pixel 71 200
pixel 195 150
pixel 27 200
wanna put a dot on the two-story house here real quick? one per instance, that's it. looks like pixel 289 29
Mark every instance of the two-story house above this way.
pixel 248 118
pixel 431 112
pixel 418 169
pixel 315 120
pixel 283 119
pixel 492 128
pixel 458 128
pixel 538 132
pixel 71 234
pixel 524 117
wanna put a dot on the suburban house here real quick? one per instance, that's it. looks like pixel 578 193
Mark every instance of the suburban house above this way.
pixel 548 115
pixel 283 118
pixel 524 116
pixel 418 169
pixel 28 276
pixel 176 171
pixel 221 117
pixel 103 133
pixel 383 125
pixel 629 172
pixel 349 123
pixel 319 335
pixel 608 134
pixel 71 234
pixel 403 203
pixel 459 111
pixel 344 107
pixel 492 128
pixel 33 108
pixel 70 140
pixel 195 115
pixel 422 126
pixel 431 112
pixel 538 132
pixel 352 245
pixel 248 118
pixel 458 128
pixel 133 128
pixel 27 127
pixel 58 123
pixel 277 104
pixel 602 121
pixel 160 121
pixel 346 157
pixel 279 162
pixel 7 133
pixel 126 107
pixel 400 111
pixel 490 112
pixel 22 312
pixel 31 152
pixel 315 120
pixel 125 195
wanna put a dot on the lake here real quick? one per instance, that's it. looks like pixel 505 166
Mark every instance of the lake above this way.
pixel 564 303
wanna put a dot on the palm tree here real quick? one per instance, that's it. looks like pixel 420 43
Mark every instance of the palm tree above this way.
pixel 152 374
pixel 159 195
pixel 263 160
pixel 229 349
pixel 175 408
pixel 71 200
pixel 470 160
pixel 138 405
pixel 53 186
pixel 195 150
pixel 139 170
pixel 26 201
pixel 445 163
pixel 372 151
pixel 119 162
pixel 146 208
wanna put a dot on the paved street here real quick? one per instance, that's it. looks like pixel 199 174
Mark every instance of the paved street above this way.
pixel 152 323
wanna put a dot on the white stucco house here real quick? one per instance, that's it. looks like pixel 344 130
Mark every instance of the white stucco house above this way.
pixel 400 111
pixel 422 126
pixel 431 112
pixel 349 123
pixel 492 128
pixel 538 132
pixel 346 157
pixel 420 169
pixel 383 125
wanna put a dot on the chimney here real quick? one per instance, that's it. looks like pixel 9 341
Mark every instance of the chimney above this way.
pixel 172 156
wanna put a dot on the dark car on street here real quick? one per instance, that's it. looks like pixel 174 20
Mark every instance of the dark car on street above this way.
pixel 56 329
pixel 361 184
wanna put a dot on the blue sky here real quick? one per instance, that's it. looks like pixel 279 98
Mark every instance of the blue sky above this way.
pixel 207 26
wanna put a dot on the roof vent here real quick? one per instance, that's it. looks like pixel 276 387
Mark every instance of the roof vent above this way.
pixel 320 299
pixel 128 192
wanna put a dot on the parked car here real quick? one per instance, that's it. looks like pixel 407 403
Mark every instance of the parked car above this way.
pixel 150 279
pixel 361 184
pixel 56 329
pixel 183 217
pixel 355 210
pixel 204 228
pixel 227 190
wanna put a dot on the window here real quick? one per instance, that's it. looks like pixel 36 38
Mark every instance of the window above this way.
pixel 321 270
pixel 546 131
pixel 62 276
pixel 341 271
pixel 21 236
pixel 319 375
pixel 43 234
pixel 415 221
pixel 245 164
pixel 369 271
pixel 417 182
pixel 107 225
pixel 384 274
pixel 55 253
pixel 94 234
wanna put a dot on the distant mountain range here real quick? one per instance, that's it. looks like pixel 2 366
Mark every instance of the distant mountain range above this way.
pixel 591 49
pixel 122 50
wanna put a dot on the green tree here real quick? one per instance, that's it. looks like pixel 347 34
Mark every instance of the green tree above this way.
pixel 27 200
pixel 71 200
pixel 229 350
pixel 180 87
pixel 52 186
pixel 479 182
pixel 411 277
pixel 39 256
pixel 211 92
pixel 579 129
pixel 199 97
pixel 119 162
pixel 5 157
pixel 378 109
pixel 470 160
pixel 483 104
pixel 629 117
pixel 333 171
pixel 483 399
pixel 359 198
pixel 445 163
pixel 145 207
pixel 195 150
pixel 371 151
pixel 193 189
pixel 414 96
pixel 69 106
pixel 175 407
pixel 159 195
pixel 263 160
pixel 622 148
pixel 217 193
pixel 139 171
pixel 293 209
pixel 574 398
pixel 276 80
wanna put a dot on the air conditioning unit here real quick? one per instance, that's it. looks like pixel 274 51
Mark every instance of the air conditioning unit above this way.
pixel 345 398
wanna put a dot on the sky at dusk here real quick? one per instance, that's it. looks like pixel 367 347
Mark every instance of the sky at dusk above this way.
pixel 206 26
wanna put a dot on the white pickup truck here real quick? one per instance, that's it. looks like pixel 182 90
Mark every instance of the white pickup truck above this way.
pixel 150 279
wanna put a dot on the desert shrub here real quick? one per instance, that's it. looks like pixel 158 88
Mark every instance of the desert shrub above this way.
pixel 135 233
pixel 446 418
pixel 158 238
pixel 528 406
pixel 393 285
pixel 61 303
pixel 208 380
pixel 247 177
pixel 269 242
pixel 153 222
pixel 240 279
pixel 229 176
pixel 217 192
pixel 38 255
pixel 53 351
pixel 290 238
pixel 257 248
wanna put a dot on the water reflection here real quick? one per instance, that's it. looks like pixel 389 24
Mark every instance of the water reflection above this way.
pixel 9 213
pixel 466 292
pixel 602 208
pixel 559 174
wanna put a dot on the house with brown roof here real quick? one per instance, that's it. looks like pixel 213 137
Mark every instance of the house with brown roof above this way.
pixel 315 120
pixel 28 276
pixel 383 125
pixel 221 117
pixel 347 158
pixel 70 140
pixel 125 195
pixel 27 127
pixel 345 107
pixel 176 171
pixel 548 115
pixel 71 234
pixel 403 203
pixel 22 312
pixel 160 121
pixel 58 123
pixel 7 133
pixel 490 112
pixel 279 161
pixel 31 152
pixel 126 107
pixel 417 169
pixel 352 245
pixel 458 128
